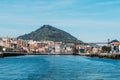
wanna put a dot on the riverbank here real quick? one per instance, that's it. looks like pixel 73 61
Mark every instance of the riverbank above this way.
pixel 8 54
pixel 46 53
pixel 100 55
pixel 103 55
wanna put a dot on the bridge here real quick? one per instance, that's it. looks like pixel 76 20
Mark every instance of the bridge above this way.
pixel 107 42
pixel 96 43
pixel 91 43
pixel 86 43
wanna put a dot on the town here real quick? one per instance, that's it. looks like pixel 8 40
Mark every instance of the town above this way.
pixel 50 47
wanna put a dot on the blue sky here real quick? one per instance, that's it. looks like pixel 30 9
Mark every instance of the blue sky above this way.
pixel 88 20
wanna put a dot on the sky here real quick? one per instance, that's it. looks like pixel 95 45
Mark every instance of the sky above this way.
pixel 87 20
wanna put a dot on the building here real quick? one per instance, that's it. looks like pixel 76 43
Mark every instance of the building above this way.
pixel 115 47
pixel 5 42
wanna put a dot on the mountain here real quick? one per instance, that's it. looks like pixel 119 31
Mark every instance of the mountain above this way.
pixel 48 32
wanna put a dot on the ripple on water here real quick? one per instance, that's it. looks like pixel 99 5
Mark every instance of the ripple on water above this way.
pixel 59 68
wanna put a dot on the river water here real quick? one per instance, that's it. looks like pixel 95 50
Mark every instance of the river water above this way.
pixel 58 68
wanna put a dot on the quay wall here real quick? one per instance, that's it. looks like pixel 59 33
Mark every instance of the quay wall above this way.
pixel 1 55
pixel 100 55
pixel 8 54
pixel 45 53
pixel 103 55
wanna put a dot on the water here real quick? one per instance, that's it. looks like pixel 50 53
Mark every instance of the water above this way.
pixel 58 68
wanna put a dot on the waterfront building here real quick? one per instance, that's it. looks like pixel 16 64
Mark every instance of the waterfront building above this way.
pixel 115 47
pixel 67 47
pixel 46 46
pixel 58 47
pixel 5 42
pixel 95 50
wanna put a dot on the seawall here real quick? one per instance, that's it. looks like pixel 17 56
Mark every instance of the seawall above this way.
pixel 100 55
pixel 45 53
pixel 8 54
pixel 103 55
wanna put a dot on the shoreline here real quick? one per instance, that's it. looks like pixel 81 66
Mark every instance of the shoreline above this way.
pixel 99 55
pixel 9 54
pixel 103 55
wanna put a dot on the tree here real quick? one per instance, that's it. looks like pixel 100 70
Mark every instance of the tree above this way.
pixel 106 49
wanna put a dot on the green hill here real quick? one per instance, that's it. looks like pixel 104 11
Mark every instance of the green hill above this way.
pixel 47 32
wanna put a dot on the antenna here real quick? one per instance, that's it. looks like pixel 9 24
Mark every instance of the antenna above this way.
pixel 108 42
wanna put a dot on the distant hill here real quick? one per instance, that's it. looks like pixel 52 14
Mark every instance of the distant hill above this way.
pixel 47 32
